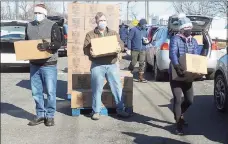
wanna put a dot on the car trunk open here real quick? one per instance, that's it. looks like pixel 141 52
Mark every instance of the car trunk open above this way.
pixel 7 44
pixel 201 25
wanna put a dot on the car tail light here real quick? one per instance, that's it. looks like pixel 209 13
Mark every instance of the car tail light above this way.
pixel 214 46
pixel 65 36
pixel 165 46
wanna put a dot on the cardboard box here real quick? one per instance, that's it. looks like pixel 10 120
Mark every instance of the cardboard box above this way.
pixel 107 9
pixel 75 49
pixel 104 46
pixel 83 98
pixel 199 39
pixel 127 98
pixel 76 9
pixel 27 50
pixel 194 65
pixel 83 81
pixel 76 22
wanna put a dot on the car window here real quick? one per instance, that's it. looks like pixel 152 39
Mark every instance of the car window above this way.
pixel 159 33
pixel 12 32
pixel 65 29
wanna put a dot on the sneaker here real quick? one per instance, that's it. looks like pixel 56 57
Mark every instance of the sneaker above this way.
pixel 36 121
pixel 95 116
pixel 179 127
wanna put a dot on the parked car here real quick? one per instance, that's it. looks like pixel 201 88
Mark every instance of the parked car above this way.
pixel 63 29
pixel 151 31
pixel 221 84
pixel 11 31
pixel 158 56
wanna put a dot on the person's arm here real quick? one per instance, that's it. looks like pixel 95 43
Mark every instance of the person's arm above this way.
pixel 87 45
pixel 173 51
pixel 130 37
pixel 55 37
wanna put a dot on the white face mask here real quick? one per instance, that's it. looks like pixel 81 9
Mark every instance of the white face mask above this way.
pixel 39 17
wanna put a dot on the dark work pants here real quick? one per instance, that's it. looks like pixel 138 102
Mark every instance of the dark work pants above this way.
pixel 135 56
pixel 179 87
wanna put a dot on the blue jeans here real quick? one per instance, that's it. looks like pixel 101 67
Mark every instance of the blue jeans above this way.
pixel 98 75
pixel 41 76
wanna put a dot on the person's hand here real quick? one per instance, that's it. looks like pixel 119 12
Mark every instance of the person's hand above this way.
pixel 128 52
pixel 180 71
pixel 43 46
pixel 91 52
pixel 119 48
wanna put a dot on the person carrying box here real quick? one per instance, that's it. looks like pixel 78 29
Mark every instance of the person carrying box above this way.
pixel 43 72
pixel 180 44
pixel 104 67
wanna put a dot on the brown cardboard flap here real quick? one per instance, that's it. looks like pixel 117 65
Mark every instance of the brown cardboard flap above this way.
pixel 27 50
pixel 104 46
pixel 199 39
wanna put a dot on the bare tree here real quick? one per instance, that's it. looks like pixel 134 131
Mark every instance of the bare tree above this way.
pixel 26 10
pixel 3 12
pixel 133 13
pixel 209 8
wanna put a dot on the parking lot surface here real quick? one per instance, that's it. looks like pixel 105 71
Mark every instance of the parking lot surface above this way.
pixel 152 122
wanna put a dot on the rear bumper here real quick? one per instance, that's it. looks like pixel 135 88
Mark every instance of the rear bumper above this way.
pixel 163 60
pixel 10 59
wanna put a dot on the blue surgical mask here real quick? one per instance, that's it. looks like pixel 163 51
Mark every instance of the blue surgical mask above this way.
pixel 102 25
pixel 39 17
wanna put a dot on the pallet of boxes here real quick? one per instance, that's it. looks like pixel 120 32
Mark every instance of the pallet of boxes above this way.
pixel 81 19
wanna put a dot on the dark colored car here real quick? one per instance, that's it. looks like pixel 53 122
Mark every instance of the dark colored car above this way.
pixel 63 29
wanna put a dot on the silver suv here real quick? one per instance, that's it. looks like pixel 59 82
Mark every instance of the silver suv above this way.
pixel 221 84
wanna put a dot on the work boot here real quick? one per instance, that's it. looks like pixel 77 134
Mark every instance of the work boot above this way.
pixel 141 77
pixel 95 116
pixel 179 127
pixel 36 121
pixel 123 113
pixel 49 122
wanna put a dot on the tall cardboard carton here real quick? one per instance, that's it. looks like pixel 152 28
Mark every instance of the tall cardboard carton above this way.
pixel 194 65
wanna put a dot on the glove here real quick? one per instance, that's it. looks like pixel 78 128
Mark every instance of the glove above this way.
pixel 180 71
pixel 43 46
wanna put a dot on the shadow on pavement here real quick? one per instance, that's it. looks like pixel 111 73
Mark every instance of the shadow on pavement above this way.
pixel 61 91
pixel 145 139
pixel 62 106
pixel 15 111
pixel 147 120
pixel 204 119
pixel 15 69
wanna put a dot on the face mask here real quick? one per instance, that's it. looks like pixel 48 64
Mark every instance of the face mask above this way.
pixel 39 17
pixel 143 26
pixel 102 25
pixel 188 32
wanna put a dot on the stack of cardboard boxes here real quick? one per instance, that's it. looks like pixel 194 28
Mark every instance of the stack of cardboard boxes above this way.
pixel 81 19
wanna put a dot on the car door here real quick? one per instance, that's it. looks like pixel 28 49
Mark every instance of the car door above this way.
pixel 151 51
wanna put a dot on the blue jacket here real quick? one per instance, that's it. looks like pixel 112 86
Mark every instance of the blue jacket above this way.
pixel 135 39
pixel 178 47
pixel 123 32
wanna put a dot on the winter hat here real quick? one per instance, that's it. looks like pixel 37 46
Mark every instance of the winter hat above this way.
pixel 184 22
pixel 142 22
pixel 41 8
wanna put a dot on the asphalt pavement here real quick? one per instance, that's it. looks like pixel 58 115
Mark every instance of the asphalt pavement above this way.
pixel 152 122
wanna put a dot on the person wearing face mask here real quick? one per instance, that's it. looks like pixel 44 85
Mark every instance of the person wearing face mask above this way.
pixel 43 72
pixel 180 44
pixel 104 67
pixel 137 41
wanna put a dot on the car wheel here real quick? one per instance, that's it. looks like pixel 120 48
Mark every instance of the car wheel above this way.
pixel 220 93
pixel 157 73
pixel 210 76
